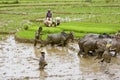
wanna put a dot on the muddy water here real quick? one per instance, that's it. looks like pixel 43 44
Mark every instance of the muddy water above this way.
pixel 19 61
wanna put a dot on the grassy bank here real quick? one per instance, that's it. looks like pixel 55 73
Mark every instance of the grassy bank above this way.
pixel 79 29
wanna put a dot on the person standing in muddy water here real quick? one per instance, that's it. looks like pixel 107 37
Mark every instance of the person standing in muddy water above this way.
pixel 42 61
pixel 37 35
pixel 49 15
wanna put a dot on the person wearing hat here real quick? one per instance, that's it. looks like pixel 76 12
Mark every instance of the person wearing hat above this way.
pixel 42 61
pixel 106 57
pixel 49 15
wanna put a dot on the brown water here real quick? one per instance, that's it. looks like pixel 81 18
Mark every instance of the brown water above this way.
pixel 19 61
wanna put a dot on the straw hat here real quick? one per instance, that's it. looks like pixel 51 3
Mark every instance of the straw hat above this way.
pixel 42 51
pixel 108 45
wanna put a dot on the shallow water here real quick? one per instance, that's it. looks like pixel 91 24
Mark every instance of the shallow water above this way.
pixel 19 61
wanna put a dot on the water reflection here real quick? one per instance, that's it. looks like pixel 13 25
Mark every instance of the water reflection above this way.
pixel 37 52
pixel 43 74
pixel 89 65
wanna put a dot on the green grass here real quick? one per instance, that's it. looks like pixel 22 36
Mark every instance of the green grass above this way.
pixel 51 30
pixel 26 34
pixel 96 17
pixel 90 27
pixel 79 29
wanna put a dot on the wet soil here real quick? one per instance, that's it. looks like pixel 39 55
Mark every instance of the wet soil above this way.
pixel 19 61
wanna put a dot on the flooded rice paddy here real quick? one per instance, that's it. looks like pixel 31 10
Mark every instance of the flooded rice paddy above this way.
pixel 19 61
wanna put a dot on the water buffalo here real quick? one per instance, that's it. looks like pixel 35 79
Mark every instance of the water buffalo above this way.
pixel 94 45
pixel 95 36
pixel 89 45
pixel 97 46
pixel 60 38
pixel 91 35
pixel 104 35
pixel 85 39
pixel 80 43
pixel 92 42
pixel 115 46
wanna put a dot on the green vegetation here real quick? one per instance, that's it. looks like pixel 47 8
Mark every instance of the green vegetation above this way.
pixel 95 16
pixel 26 34
pixel 79 29
pixel 90 27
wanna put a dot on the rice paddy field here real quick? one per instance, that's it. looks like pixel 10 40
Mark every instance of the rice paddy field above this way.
pixel 78 16
pixel 20 61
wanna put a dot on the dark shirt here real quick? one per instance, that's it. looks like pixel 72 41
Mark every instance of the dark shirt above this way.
pixel 49 14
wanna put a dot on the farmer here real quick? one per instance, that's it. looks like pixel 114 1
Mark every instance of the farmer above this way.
pixel 42 62
pixel 37 35
pixel 49 15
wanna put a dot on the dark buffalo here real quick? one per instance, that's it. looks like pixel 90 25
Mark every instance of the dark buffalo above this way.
pixel 95 45
pixel 96 36
pixel 85 39
pixel 91 35
pixel 89 45
pixel 60 38
pixel 93 42
pixel 115 46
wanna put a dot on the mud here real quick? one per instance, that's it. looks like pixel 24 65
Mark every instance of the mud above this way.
pixel 19 61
